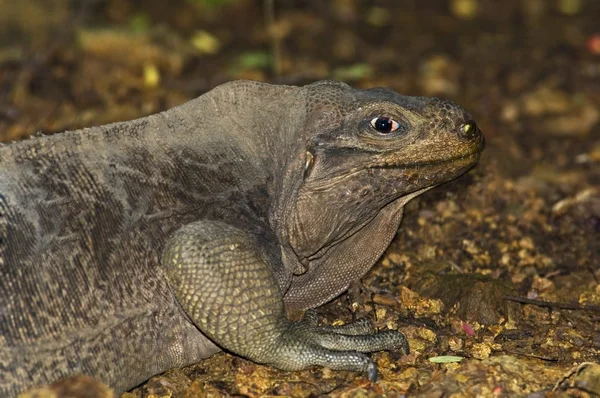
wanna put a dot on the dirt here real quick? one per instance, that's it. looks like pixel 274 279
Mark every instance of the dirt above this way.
pixel 525 223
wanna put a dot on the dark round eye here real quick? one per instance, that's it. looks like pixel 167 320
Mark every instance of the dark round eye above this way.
pixel 385 125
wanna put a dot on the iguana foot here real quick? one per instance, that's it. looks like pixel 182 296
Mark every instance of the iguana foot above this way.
pixel 224 282
pixel 336 347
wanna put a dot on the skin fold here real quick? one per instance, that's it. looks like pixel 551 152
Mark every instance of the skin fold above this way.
pixel 135 247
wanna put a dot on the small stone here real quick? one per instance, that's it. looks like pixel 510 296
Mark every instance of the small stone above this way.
pixel 481 350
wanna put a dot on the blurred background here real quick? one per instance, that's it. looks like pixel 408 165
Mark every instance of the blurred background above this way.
pixel 115 59
pixel 529 215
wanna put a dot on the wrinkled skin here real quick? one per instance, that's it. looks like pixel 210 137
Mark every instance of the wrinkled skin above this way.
pixel 132 248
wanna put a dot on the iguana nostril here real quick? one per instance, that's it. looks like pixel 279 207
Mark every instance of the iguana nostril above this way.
pixel 469 129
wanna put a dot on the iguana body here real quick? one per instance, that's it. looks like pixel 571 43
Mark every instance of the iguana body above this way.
pixel 132 248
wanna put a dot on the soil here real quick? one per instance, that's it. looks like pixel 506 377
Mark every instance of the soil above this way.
pixel 493 277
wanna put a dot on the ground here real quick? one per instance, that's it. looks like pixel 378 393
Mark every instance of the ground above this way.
pixel 524 224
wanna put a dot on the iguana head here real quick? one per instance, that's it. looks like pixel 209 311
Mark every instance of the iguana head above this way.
pixel 366 153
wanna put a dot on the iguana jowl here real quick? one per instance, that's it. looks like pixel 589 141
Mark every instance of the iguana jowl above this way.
pixel 135 247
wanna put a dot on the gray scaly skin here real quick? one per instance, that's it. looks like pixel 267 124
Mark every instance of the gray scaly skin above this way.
pixel 135 247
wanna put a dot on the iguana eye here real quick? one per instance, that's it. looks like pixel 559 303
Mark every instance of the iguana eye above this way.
pixel 385 125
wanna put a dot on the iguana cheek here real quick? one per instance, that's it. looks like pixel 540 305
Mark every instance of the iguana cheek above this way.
pixel 307 233
pixel 322 221
pixel 315 224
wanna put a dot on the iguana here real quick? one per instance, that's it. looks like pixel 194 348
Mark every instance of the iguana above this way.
pixel 135 247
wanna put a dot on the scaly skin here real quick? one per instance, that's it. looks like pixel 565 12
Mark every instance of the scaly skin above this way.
pixel 132 248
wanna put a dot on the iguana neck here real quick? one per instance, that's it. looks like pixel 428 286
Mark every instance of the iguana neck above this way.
pixel 249 126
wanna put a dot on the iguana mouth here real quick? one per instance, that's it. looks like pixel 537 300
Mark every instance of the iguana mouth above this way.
pixel 472 156
pixel 468 158
pixel 465 160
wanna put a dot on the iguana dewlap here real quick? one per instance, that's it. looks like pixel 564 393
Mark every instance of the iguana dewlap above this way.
pixel 135 247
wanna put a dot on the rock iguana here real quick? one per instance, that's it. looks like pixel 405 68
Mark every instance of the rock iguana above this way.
pixel 135 247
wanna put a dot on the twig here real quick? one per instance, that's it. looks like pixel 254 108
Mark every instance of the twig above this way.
pixel 574 371
pixel 552 304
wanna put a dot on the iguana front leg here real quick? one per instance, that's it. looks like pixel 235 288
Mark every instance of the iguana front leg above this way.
pixel 224 283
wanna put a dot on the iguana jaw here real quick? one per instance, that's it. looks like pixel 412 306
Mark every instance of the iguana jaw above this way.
pixel 401 168
pixel 463 160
